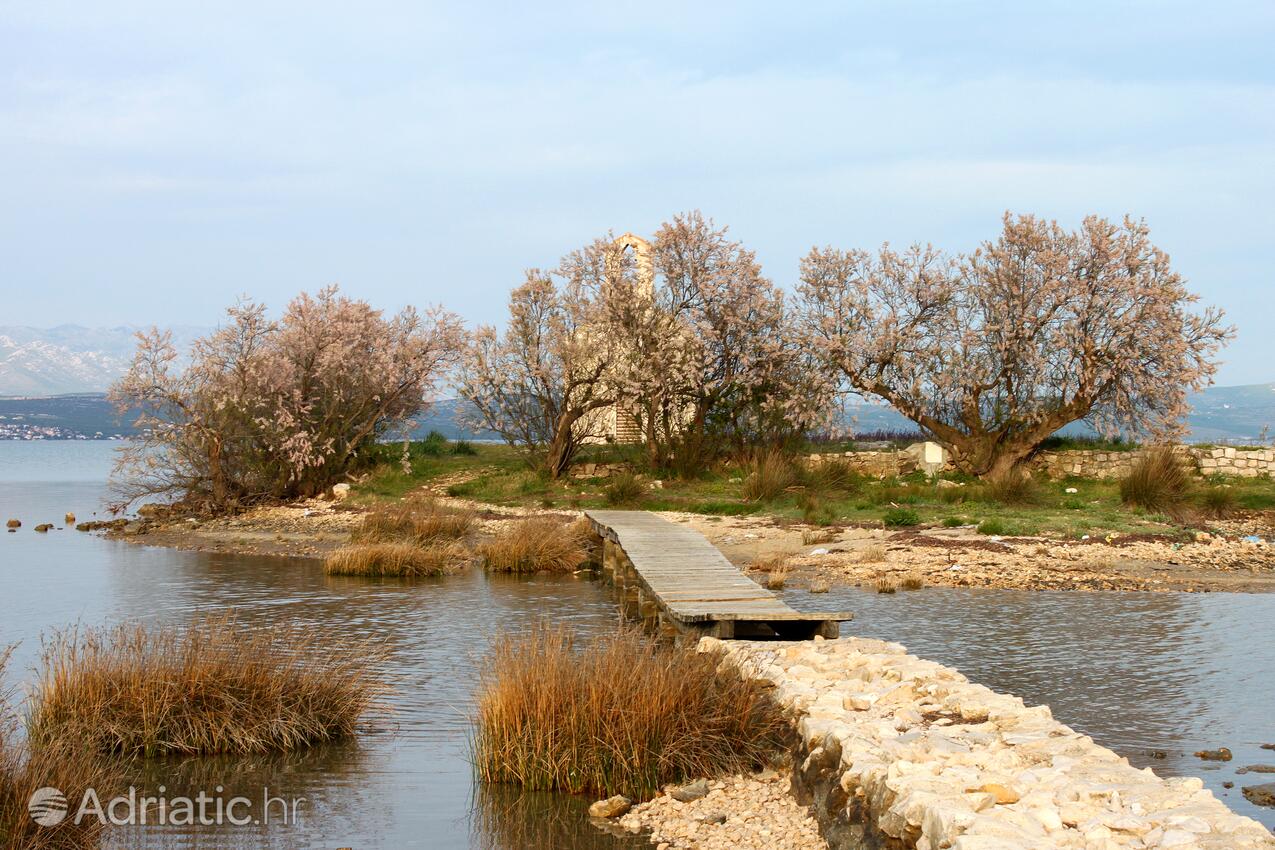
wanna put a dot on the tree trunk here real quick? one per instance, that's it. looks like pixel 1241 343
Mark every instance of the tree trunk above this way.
pixel 217 473
pixel 562 448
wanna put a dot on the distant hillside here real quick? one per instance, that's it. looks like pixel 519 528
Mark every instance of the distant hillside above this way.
pixel 90 416
pixel 69 358
pixel 1220 414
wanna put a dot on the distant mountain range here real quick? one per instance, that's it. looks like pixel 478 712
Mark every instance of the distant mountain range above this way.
pixel 39 363
pixel 70 358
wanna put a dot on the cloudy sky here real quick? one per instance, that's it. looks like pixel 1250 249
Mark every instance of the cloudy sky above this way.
pixel 159 158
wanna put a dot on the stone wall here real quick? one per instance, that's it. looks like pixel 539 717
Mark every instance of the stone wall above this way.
pixel 1220 460
pixel 898 752
pixel 1080 463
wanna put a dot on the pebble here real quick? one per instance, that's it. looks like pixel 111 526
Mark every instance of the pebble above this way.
pixel 727 818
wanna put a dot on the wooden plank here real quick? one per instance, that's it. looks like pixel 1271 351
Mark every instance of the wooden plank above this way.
pixel 690 579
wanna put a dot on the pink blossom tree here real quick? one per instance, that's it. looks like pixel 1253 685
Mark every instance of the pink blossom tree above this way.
pixel 993 352
pixel 272 410
pixel 543 382
pixel 710 360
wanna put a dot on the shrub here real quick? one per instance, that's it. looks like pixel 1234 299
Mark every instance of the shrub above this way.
pixel 770 473
pixel 954 522
pixel 1157 482
pixel 900 518
pixel 621 714
pixel 1011 488
pixel 396 560
pixel 993 527
pixel 464 447
pixel 420 522
pixel 270 410
pixel 1218 502
pixel 537 545
pixel 624 488
pixel 433 445
pixel 210 687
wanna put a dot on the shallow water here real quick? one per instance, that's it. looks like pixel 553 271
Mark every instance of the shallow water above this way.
pixel 406 784
pixel 1139 672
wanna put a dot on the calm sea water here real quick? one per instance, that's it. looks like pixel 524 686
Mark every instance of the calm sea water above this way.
pixel 1141 673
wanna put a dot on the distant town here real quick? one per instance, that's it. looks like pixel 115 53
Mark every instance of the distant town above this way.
pixel 18 428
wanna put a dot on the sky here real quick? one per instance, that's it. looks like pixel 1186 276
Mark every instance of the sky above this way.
pixel 159 159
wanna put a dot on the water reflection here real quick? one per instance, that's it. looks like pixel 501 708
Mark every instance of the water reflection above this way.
pixel 508 818
pixel 1142 673
pixel 1138 672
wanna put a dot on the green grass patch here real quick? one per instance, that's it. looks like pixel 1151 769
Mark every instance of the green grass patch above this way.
pixel 901 518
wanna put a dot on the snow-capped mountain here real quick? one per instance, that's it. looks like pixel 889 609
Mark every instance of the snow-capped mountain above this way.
pixel 69 358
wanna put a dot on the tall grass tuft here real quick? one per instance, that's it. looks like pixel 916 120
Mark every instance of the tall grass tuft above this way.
pixel 420 521
pixel 770 474
pixel 1218 502
pixel 624 488
pixel 777 566
pixel 620 715
pixel 900 518
pixel 210 687
pixel 831 474
pixel 66 768
pixel 401 560
pixel 1011 488
pixel 537 545
pixel 1157 482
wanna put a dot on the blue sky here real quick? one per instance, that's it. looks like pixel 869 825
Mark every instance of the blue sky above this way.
pixel 157 159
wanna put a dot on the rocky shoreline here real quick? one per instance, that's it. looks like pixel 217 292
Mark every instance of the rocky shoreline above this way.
pixel 1237 560
pixel 900 752
pixel 736 813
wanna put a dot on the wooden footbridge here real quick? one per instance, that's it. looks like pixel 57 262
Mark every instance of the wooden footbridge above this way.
pixel 671 577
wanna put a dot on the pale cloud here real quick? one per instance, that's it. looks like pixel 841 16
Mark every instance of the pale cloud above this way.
pixel 421 153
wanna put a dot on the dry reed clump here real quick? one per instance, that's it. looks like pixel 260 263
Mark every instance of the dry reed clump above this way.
pixel 70 771
pixel 620 714
pixel 777 567
pixel 813 536
pixel 912 582
pixel 210 687
pixel 1157 482
pixel 401 560
pixel 539 544
pixel 420 521
pixel 770 474
pixel 872 555
pixel 66 768
pixel 885 585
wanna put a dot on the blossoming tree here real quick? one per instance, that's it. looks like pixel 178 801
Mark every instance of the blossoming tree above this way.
pixel 276 409
pixel 993 352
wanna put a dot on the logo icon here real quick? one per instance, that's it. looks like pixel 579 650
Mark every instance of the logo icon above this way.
pixel 47 806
